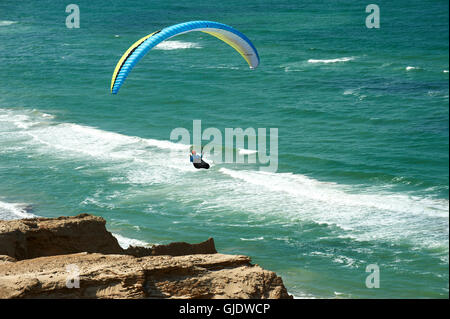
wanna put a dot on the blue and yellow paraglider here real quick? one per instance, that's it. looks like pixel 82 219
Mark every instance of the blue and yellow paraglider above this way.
pixel 229 35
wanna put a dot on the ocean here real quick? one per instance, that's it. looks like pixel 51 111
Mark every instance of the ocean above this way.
pixel 363 134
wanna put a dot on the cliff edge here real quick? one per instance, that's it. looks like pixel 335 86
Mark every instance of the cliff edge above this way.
pixel 76 257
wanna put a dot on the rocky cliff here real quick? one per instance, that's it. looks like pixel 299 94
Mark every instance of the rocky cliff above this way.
pixel 76 257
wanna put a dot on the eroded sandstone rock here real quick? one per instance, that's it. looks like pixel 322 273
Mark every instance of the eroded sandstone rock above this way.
pixel 38 258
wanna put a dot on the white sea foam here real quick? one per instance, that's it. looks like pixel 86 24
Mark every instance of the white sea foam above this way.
pixel 445 71
pixel 176 45
pixel 326 61
pixel 94 142
pixel 23 119
pixel 409 68
pixel 126 242
pixel 355 92
pixel 96 202
pixel 226 67
pixel 252 239
pixel 4 23
pixel 139 159
pixel 244 151
pixel 10 211
pixel 292 69
pixel 167 145
pixel 302 295
pixel 303 186
pixel 349 92
pixel 365 215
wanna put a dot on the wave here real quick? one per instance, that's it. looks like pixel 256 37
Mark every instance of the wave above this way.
pixel 4 23
pixel 177 45
pixel 226 67
pixel 24 119
pixel 355 92
pixel 345 59
pixel 373 214
pixel 126 242
pixel 301 66
pixel 74 137
pixel 409 68
pixel 303 186
pixel 349 92
pixel 244 151
pixel 292 69
pixel 167 145
pixel 139 159
pixel 252 239
pixel 10 211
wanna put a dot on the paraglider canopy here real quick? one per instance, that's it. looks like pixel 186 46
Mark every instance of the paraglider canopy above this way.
pixel 229 35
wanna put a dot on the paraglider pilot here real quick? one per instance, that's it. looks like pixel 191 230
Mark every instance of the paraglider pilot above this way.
pixel 197 160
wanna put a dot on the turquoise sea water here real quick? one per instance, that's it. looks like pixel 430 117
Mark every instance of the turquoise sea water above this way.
pixel 362 117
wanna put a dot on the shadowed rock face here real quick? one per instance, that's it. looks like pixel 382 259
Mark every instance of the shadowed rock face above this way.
pixel 174 249
pixel 37 237
pixel 34 254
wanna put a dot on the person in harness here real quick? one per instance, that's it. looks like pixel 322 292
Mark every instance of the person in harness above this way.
pixel 197 160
